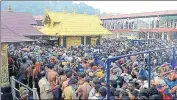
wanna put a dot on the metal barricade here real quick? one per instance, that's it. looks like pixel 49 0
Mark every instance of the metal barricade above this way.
pixel 109 60
pixel 14 89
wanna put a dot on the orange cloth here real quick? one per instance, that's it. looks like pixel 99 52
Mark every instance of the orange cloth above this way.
pixel 94 68
pixel 37 66
pixel 172 76
pixel 53 60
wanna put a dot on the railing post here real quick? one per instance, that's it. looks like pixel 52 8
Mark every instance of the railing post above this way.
pixel 149 70
pixel 95 59
pixel 108 78
pixel 35 97
pixel 13 86
pixel 174 58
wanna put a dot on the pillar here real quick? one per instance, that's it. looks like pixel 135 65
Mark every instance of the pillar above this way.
pixel 100 39
pixel 131 36
pixel 168 36
pixel 148 35
pixel 163 35
pixel 85 39
pixel 61 41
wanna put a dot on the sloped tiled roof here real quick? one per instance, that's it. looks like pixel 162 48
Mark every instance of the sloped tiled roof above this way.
pixel 8 35
pixel 72 24
pixel 144 14
pixel 21 23
pixel 22 17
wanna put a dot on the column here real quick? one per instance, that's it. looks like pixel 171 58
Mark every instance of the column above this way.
pixel 85 39
pixel 162 35
pixel 148 35
pixel 61 41
pixel 168 36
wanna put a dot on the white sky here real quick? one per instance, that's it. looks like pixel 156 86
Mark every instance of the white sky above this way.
pixel 131 6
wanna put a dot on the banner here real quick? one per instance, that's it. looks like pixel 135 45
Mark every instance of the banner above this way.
pixel 73 41
pixel 4 74
pixel 94 41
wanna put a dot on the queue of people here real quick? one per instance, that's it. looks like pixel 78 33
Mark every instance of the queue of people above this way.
pixel 74 73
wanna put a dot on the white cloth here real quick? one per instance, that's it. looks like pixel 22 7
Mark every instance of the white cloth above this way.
pixel 44 86
pixel 91 93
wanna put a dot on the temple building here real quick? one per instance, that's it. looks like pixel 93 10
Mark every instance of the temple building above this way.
pixel 74 29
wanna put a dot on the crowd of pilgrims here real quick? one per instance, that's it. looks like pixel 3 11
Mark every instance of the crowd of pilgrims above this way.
pixel 79 72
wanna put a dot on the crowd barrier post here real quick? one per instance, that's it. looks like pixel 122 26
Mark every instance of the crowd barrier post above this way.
pixel 149 69
pixel 35 95
pixel 95 59
pixel 109 60
pixel 174 58
pixel 13 87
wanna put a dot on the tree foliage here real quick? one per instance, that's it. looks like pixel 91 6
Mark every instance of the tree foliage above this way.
pixel 38 7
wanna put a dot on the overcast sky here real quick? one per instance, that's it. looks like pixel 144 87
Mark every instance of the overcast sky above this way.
pixel 131 6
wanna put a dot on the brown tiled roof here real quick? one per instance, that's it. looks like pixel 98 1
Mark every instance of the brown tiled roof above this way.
pixel 159 30
pixel 147 30
pixel 20 23
pixel 18 16
pixel 8 35
pixel 145 14
pixel 121 30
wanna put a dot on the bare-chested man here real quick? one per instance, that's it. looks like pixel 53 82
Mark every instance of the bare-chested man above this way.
pixel 84 90
pixel 65 83
pixel 61 78
pixel 81 79
pixel 37 69
pixel 52 76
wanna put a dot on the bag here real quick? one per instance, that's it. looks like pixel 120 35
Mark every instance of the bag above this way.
pixel 56 93
pixel 100 97
pixel 46 75
pixel 142 74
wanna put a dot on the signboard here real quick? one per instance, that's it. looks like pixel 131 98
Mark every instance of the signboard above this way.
pixel 4 66
pixel 93 41
pixel 73 41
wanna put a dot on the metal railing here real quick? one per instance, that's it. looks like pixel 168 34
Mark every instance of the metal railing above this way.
pixel 14 89
pixel 109 60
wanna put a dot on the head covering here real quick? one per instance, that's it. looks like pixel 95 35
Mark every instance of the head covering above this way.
pixel 94 68
pixel 99 74
pixel 145 84
pixel 42 74
pixel 10 60
pixel 69 59
pixel 23 91
pixel 54 54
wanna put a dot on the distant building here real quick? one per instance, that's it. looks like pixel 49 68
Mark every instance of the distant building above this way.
pixel 158 24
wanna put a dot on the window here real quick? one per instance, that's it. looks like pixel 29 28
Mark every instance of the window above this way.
pixel 165 36
pixel 152 24
pixel 39 22
pixel 167 23
pixel 126 25
pixel 113 26
pixel 171 23
pixel 157 24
